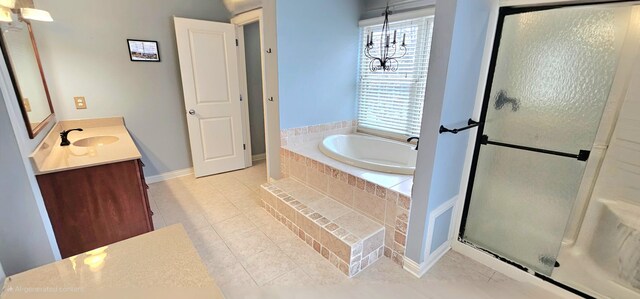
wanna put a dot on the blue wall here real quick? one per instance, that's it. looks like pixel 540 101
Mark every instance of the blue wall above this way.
pixel 441 230
pixel 460 32
pixel 470 32
pixel 317 60
pixel 24 240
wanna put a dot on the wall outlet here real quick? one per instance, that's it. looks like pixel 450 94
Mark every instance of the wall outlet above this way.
pixel 27 104
pixel 81 103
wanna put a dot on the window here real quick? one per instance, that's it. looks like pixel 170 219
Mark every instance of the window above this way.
pixel 390 103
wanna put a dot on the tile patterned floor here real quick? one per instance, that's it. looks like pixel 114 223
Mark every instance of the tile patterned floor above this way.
pixel 251 255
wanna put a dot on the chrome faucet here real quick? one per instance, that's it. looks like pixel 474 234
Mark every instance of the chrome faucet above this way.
pixel 63 136
pixel 417 142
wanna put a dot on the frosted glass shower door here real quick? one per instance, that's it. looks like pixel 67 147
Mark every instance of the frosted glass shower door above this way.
pixel 552 76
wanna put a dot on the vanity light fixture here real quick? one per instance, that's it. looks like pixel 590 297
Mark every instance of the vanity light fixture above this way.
pixel 35 14
pixel 8 3
pixel 389 50
pixel 5 14
pixel 5 10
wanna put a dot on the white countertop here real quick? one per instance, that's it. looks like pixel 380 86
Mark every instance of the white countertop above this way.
pixel 159 264
pixel 50 157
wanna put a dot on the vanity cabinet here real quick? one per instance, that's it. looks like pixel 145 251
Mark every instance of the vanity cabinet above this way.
pixel 95 206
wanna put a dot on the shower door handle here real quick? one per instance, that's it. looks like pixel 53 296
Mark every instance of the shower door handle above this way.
pixel 583 155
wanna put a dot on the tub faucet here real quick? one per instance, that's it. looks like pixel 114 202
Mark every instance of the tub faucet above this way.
pixel 417 142
pixel 63 136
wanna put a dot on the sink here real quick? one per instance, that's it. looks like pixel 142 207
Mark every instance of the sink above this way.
pixel 95 141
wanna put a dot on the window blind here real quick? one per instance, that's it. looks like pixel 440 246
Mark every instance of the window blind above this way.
pixel 392 102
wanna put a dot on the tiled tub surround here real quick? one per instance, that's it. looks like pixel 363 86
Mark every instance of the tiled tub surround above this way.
pixel 349 240
pixel 384 198
pixel 315 133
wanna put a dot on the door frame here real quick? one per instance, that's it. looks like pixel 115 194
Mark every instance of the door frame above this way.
pixel 244 95
pixel 269 87
pixel 494 29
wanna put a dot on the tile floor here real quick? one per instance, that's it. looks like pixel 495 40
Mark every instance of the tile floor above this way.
pixel 251 255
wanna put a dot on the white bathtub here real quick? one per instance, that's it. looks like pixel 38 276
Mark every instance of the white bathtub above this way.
pixel 371 153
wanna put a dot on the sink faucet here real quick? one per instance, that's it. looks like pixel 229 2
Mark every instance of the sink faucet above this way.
pixel 63 135
pixel 417 142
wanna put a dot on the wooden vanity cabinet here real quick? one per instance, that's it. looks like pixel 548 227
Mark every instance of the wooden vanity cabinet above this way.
pixel 96 206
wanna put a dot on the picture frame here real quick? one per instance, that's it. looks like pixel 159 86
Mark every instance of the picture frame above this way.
pixel 143 50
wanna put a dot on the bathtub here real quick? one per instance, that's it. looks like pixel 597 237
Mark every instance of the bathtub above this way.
pixel 371 153
pixel 606 259
pixel 616 242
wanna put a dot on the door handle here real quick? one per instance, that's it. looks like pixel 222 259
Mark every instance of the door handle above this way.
pixel 192 112
pixel 270 99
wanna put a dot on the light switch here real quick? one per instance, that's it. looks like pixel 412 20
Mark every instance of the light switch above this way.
pixel 27 104
pixel 80 102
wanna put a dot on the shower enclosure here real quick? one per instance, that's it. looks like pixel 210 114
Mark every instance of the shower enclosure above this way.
pixel 555 90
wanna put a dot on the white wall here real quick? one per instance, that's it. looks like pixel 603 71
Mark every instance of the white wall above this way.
pixel 84 53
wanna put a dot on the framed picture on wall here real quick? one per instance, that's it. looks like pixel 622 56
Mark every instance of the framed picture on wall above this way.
pixel 143 50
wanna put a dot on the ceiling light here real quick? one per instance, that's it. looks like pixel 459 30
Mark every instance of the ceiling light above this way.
pixel 5 15
pixel 8 3
pixel 35 14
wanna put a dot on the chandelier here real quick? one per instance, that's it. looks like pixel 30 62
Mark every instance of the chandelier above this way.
pixel 386 56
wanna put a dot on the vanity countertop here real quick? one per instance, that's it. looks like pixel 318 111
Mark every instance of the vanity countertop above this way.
pixel 159 264
pixel 50 157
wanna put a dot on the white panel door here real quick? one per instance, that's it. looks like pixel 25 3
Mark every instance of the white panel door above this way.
pixel 209 68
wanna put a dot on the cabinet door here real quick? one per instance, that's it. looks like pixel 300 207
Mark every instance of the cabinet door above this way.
pixel 145 194
pixel 95 206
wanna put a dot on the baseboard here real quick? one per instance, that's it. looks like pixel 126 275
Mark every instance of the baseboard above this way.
pixel 168 175
pixel 418 270
pixel 414 268
pixel 258 157
pixel 432 258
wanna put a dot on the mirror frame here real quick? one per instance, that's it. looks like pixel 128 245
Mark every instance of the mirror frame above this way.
pixel 33 131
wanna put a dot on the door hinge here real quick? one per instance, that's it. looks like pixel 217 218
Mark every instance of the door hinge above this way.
pixel 244 147
pixel 237 44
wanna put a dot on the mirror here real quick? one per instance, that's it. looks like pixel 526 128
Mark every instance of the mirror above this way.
pixel 23 61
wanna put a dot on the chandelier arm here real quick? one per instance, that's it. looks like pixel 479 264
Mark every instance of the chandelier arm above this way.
pixel 404 52
pixel 388 49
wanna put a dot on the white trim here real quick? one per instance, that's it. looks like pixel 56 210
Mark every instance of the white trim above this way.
pixel 414 268
pixel 418 270
pixel 265 17
pixel 448 205
pixel 508 270
pixel 168 175
pixel 259 157
pixel 432 258
pixel 399 17
pixel 504 3
pixel 244 95
pixel 247 17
